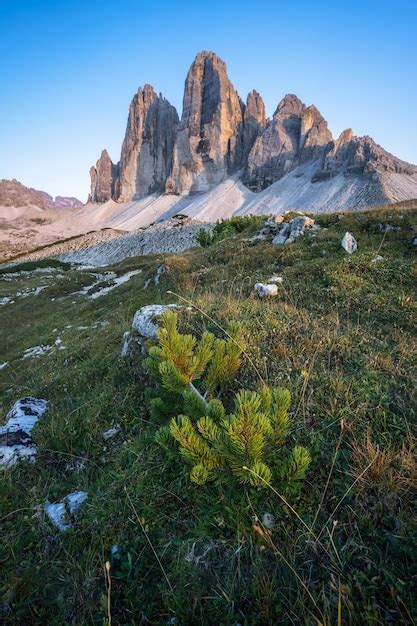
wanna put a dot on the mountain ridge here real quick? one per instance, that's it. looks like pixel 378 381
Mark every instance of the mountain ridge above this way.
pixel 219 135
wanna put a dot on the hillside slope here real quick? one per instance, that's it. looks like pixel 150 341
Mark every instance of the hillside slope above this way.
pixel 340 335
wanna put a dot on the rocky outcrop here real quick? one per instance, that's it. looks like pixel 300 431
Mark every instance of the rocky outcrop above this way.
pixel 16 441
pixel 146 158
pixel 295 134
pixel 209 141
pixel 103 179
pixel 360 156
pixel 254 120
pixel 219 136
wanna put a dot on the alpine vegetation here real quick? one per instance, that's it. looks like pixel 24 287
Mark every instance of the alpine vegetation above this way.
pixel 249 444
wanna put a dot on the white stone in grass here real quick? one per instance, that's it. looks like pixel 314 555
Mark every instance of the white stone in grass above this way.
pixel 62 513
pixel 16 435
pixel 111 432
pixel 268 521
pixel 349 243
pixel 377 259
pixel 266 290
pixel 144 320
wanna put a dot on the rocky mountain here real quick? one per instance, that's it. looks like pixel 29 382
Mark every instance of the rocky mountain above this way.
pixel 219 136
pixel 14 194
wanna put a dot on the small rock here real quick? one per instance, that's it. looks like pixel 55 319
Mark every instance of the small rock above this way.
pixel 144 327
pixel 108 434
pixel 289 231
pixel 61 513
pixel 266 290
pixel 144 319
pixel 161 270
pixel 16 435
pixel 377 259
pixel 268 521
pixel 349 243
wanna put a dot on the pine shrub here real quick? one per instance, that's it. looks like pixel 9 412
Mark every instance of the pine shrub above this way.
pixel 248 445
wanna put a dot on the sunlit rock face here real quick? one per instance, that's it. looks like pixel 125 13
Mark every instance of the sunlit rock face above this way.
pixel 146 157
pixel 103 178
pixel 221 138
pixel 209 143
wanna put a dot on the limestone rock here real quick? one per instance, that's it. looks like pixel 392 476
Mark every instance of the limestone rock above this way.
pixel 16 441
pixel 254 120
pixel 103 179
pixel 295 134
pixel 144 320
pixel 209 139
pixel 360 156
pixel 289 231
pixel 144 327
pixel 62 513
pixel 349 243
pixel 146 156
pixel 266 290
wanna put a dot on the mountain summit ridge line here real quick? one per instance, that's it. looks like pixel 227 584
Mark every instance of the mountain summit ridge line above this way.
pixel 219 135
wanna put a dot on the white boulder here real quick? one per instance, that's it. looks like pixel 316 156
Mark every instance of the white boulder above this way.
pixel 16 435
pixel 266 290
pixel 349 243
pixel 62 513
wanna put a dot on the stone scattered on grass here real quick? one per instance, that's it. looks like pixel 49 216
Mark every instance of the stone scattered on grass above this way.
pixel 144 320
pixel 16 435
pixel 36 351
pixel 6 300
pixel 268 521
pixel 377 259
pixel 383 227
pixel 265 290
pixel 144 327
pixel 349 243
pixel 120 280
pixel 62 514
pixel 289 231
pixel 161 270
pixel 111 432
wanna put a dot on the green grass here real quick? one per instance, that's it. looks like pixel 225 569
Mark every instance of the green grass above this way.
pixel 340 336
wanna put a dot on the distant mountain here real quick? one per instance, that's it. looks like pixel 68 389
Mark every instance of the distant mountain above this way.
pixel 219 136
pixel 13 193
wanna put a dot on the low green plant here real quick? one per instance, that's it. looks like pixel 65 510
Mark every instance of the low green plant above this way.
pixel 225 229
pixel 191 372
pixel 247 444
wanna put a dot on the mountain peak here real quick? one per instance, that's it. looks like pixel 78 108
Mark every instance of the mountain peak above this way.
pixel 218 135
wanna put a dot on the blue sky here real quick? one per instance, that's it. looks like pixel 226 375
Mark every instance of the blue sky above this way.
pixel 70 68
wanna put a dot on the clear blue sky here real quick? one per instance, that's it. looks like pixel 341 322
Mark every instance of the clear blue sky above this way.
pixel 69 69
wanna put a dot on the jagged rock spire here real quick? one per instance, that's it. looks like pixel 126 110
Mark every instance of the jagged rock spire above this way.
pixel 209 140
pixel 103 177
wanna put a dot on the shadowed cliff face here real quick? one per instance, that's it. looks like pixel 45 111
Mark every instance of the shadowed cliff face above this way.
pixel 296 134
pixel 146 157
pixel 219 135
pixel 103 178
